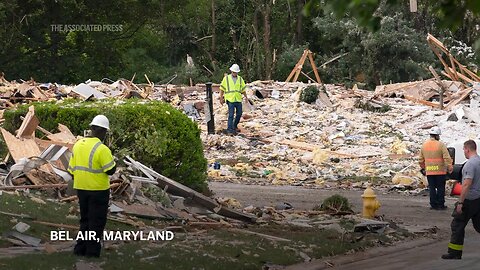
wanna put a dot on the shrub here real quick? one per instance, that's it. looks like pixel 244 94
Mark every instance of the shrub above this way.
pixel 336 204
pixel 309 94
pixel 153 133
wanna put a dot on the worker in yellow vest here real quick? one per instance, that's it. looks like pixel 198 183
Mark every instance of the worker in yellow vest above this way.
pixel 231 90
pixel 435 161
pixel 91 164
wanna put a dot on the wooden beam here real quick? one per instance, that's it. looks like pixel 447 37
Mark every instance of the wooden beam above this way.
pixel 34 186
pixel 314 67
pixel 297 67
pixel 176 188
pixel 29 124
pixel 421 101
pixel 454 102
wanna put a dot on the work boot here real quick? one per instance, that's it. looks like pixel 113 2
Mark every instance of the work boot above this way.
pixel 451 256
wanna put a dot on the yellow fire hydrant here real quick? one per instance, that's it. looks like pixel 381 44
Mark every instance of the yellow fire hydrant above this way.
pixel 370 203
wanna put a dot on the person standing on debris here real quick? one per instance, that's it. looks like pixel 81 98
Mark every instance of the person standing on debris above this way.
pixel 435 161
pixel 231 90
pixel 91 164
pixel 468 205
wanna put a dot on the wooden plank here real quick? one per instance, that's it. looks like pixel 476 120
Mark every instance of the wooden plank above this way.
pixel 453 68
pixel 34 186
pixel 144 211
pixel 44 144
pixel 462 77
pixel 39 177
pixel 454 102
pixel 388 89
pixel 65 135
pixel 421 101
pixel 324 98
pixel 314 67
pixel 300 65
pixel 29 124
pixel 20 148
pixel 176 188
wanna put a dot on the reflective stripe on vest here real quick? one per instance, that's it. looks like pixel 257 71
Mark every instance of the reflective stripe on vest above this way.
pixel 434 162
pixel 239 79
pixel 90 163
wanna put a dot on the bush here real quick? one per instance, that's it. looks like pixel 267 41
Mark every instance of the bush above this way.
pixel 153 133
pixel 336 204
pixel 309 94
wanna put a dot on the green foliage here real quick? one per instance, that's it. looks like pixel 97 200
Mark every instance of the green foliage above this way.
pixel 395 53
pixel 288 59
pixel 336 203
pixel 309 94
pixel 153 133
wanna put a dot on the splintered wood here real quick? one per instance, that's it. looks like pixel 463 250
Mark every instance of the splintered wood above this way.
pixel 451 64
pixel 20 148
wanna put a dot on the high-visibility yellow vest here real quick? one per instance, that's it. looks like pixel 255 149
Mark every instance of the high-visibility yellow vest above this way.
pixel 89 163
pixel 434 157
pixel 233 91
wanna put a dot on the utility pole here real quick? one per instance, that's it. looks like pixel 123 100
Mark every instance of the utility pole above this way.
pixel 209 110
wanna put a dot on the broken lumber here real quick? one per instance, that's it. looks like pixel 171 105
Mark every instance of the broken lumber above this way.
pixel 176 188
pixel 65 135
pixel 421 101
pixel 35 186
pixel 454 102
pixel 29 124
pixel 20 148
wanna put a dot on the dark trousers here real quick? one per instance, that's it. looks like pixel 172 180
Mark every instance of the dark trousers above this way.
pixel 436 186
pixel 234 108
pixel 93 217
pixel 470 210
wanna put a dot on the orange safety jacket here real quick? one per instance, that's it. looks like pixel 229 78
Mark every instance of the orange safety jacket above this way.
pixel 434 158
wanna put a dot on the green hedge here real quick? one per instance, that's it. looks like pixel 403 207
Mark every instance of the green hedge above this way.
pixel 153 133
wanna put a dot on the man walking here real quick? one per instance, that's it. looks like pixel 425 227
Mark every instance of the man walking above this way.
pixel 90 165
pixel 436 161
pixel 232 88
pixel 468 205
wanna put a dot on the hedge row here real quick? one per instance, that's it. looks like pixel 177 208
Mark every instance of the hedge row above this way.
pixel 153 133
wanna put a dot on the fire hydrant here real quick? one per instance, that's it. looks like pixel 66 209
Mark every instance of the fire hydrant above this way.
pixel 370 203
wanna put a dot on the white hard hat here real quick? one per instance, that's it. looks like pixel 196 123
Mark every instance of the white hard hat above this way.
pixel 100 121
pixel 435 131
pixel 235 68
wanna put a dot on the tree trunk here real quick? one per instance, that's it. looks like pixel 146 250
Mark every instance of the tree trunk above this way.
pixel 299 31
pixel 256 52
pixel 266 38
pixel 214 45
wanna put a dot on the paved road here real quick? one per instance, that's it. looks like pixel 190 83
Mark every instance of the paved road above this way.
pixel 421 254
